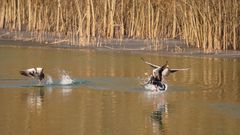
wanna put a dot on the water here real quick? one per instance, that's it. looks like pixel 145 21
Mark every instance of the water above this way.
pixel 100 93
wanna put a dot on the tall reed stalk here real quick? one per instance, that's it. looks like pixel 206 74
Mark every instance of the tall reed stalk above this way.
pixel 207 24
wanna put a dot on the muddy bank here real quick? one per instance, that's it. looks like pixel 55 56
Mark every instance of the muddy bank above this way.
pixel 157 47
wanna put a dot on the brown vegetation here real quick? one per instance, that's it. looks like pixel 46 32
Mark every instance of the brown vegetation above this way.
pixel 208 24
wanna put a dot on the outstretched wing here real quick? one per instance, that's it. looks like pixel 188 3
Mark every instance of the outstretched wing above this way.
pixel 28 72
pixel 152 65
pixel 180 69
pixel 24 73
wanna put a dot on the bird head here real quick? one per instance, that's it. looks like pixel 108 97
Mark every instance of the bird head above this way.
pixel 165 65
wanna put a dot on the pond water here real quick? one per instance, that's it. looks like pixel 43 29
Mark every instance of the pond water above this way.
pixel 89 92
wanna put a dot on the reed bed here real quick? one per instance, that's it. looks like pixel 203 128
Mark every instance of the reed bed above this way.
pixel 207 24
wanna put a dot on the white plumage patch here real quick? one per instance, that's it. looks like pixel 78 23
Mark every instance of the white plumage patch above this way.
pixel 36 73
pixel 39 70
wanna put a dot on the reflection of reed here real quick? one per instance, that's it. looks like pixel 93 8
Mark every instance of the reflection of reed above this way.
pixel 112 65
pixel 211 75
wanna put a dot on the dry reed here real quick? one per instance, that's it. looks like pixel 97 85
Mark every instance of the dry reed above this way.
pixel 207 24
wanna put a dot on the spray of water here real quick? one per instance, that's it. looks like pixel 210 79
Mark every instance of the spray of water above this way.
pixel 49 80
pixel 65 79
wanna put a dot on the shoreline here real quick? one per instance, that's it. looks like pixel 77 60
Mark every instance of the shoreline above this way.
pixel 129 45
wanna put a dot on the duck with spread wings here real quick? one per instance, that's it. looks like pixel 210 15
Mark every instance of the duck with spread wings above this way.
pixel 35 73
pixel 159 73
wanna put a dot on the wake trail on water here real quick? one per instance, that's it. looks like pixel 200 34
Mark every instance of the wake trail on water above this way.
pixel 63 79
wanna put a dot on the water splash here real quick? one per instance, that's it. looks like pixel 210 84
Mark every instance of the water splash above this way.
pixel 153 88
pixel 65 79
pixel 49 80
pixel 150 87
pixel 142 81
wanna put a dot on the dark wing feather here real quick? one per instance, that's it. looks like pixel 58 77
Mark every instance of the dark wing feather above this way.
pixel 41 76
pixel 181 69
pixel 24 73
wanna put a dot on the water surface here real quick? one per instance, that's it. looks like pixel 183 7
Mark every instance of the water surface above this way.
pixel 99 93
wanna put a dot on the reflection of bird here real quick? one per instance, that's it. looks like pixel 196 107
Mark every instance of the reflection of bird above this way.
pixel 162 71
pixel 35 99
pixel 36 73
pixel 160 112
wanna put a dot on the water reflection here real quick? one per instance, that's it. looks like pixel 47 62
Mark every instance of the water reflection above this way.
pixel 159 116
pixel 66 90
pixel 35 99
pixel 209 76
pixel 109 103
